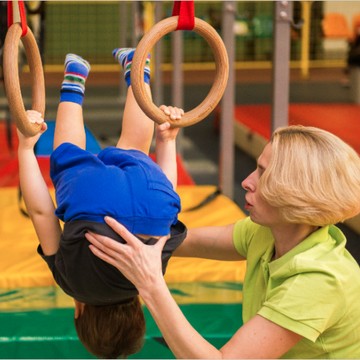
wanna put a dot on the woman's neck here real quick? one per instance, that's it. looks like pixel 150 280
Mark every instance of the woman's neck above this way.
pixel 290 235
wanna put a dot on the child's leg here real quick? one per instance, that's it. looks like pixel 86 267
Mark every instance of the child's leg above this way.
pixel 69 126
pixel 137 129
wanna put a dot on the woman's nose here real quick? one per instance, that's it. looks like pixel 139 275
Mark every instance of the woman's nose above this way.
pixel 246 184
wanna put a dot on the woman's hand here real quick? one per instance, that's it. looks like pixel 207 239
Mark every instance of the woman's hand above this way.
pixel 28 142
pixel 139 263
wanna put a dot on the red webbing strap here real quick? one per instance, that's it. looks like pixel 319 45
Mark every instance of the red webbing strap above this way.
pixel 10 14
pixel 185 11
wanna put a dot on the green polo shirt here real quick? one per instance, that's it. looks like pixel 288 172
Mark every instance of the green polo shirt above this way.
pixel 313 290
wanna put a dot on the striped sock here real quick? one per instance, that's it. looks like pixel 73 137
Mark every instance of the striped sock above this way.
pixel 75 75
pixel 124 56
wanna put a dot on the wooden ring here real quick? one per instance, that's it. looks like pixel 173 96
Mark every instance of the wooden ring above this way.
pixel 11 78
pixel 221 74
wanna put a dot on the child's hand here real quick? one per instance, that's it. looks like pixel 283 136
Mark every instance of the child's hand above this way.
pixel 173 112
pixel 34 117
pixel 28 142
pixel 164 131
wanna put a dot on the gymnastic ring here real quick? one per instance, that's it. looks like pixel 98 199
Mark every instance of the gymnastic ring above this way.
pixel 11 78
pixel 221 72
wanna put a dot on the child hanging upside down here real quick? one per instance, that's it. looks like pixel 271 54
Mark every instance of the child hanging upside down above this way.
pixel 122 182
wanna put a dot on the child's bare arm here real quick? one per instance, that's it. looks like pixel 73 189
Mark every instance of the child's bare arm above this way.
pixel 38 201
pixel 166 144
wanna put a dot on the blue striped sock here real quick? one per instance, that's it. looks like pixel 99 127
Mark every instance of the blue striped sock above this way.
pixel 75 75
pixel 124 56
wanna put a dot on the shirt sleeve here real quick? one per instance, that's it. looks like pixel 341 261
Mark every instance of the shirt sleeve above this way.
pixel 244 231
pixel 301 304
pixel 49 259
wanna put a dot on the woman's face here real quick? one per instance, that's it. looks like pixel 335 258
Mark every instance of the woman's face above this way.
pixel 260 211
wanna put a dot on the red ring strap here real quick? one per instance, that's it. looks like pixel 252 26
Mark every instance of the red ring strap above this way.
pixel 22 12
pixel 185 11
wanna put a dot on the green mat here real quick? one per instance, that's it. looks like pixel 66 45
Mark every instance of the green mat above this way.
pixel 37 323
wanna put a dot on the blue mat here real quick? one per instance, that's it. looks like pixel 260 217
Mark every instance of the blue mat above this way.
pixel 44 146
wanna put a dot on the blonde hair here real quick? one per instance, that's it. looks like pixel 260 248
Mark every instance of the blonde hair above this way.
pixel 313 177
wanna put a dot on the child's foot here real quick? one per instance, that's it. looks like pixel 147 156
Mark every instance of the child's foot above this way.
pixel 75 75
pixel 124 56
pixel 75 63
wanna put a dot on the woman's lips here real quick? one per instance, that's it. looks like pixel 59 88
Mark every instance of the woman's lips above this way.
pixel 248 205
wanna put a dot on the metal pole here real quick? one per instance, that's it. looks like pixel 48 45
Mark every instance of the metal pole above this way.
pixel 305 38
pixel 281 58
pixel 226 166
pixel 177 60
pixel 134 17
pixel 123 41
pixel 177 78
pixel 158 88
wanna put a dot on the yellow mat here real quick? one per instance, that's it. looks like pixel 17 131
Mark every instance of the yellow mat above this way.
pixel 22 267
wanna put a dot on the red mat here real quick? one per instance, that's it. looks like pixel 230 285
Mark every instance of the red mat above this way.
pixel 342 120
pixel 9 172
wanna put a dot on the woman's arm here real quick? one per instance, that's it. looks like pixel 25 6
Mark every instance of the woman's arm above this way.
pixel 141 264
pixel 212 242
pixel 258 338
pixel 36 195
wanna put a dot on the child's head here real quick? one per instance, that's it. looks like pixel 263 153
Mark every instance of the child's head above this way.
pixel 112 331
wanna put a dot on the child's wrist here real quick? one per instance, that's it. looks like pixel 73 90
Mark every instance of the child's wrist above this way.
pixel 24 147
pixel 167 141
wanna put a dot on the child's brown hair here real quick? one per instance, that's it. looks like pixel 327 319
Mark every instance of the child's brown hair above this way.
pixel 112 331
